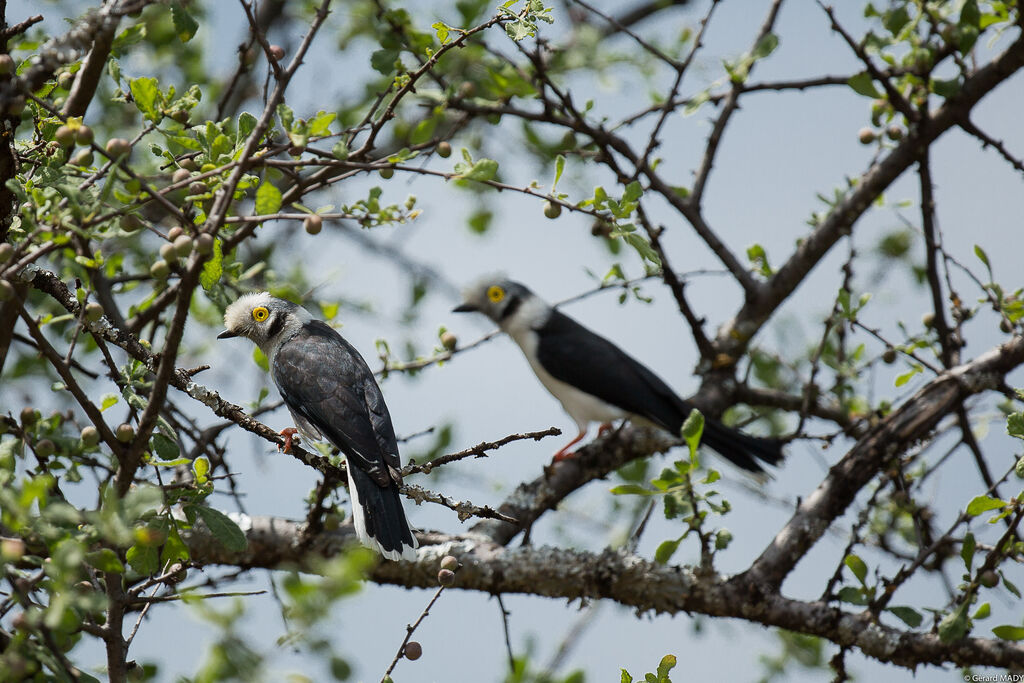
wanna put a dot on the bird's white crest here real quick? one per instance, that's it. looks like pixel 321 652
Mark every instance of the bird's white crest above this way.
pixel 239 313
pixel 476 291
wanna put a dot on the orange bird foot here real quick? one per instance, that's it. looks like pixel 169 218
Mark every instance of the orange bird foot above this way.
pixel 288 433
pixel 563 455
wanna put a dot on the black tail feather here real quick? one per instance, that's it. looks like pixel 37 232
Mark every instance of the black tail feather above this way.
pixel 379 516
pixel 741 449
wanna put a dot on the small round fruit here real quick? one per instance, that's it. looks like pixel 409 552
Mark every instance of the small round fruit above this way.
pixel 928 319
pixel 183 245
pixel 332 521
pixel 160 270
pixel 467 89
pixel 277 52
pixel 45 448
pixel 124 432
pixel 449 340
pixel 6 65
pixel 29 416
pixel 296 150
pixel 83 158
pixel 64 81
pixel 197 187
pixel 84 135
pixel 387 173
pixel 444 149
pixel 989 579
pixel 174 233
pixel 866 136
pixel 889 355
pixel 6 290
pixel 1006 326
pixel 16 105
pixel 189 164
pixel 167 252
pixel 65 135
pixel 204 244
pixel 180 176
pixel 12 549
pixel 446 577
pixel 118 147
pixel 130 222
pixel 894 132
pixel 180 115
pixel 449 562
pixel 93 311
pixel 313 224
pixel 90 436
pixel 552 210
pixel 6 252
pixel 413 650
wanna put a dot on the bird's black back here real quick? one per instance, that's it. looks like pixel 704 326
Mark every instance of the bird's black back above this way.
pixel 323 378
pixel 584 359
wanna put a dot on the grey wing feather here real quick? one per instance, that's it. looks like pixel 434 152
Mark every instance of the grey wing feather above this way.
pixel 324 379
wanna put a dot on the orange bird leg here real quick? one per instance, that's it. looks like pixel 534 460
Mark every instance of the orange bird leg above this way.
pixel 604 428
pixel 563 454
pixel 288 433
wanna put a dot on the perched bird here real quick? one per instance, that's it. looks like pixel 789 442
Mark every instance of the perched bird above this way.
pixel 594 379
pixel 332 394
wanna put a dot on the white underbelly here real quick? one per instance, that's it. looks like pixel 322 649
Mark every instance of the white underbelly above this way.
pixel 581 406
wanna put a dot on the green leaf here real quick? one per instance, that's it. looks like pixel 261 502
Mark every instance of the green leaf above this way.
pixel 665 551
pixel 108 401
pixel 261 359
pixel 625 677
pixel 222 528
pixel 692 430
pixel 766 46
pixel 268 199
pixel 907 376
pixel 321 123
pixel 442 30
pixel 383 61
pixel 1015 425
pixel 668 662
pixel 174 550
pixel 967 550
pixel 857 566
pixel 907 615
pixel 983 611
pixel 213 269
pixel 954 625
pixel 201 467
pixel 1009 632
pixel 144 559
pixel 105 560
pixel 625 489
pixel 982 504
pixel 852 595
pixel 145 92
pixel 1009 585
pixel 559 167
pixel 633 192
pixel 484 169
pixel 863 84
pixel 184 24
pixel 982 256
pixel 246 125
pixel 164 447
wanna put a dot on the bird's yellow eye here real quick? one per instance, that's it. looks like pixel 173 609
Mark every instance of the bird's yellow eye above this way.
pixel 259 314
pixel 495 294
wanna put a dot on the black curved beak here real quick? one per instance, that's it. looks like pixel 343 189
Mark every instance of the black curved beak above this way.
pixel 465 308
pixel 227 334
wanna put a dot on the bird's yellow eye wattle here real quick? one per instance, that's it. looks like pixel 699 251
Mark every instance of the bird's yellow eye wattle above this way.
pixel 260 313
pixel 495 294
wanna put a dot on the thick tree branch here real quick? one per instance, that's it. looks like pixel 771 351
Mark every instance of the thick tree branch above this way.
pixel 619 576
